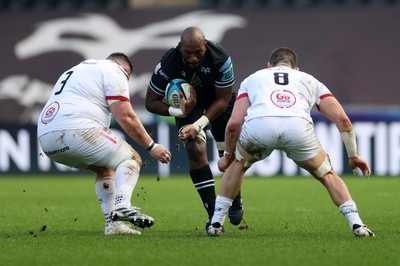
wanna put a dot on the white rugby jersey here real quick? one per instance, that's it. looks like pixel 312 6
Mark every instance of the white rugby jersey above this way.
pixel 82 96
pixel 282 91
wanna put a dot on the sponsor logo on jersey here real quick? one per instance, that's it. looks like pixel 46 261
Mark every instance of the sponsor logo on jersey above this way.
pixel 49 153
pixel 50 112
pixel 162 74
pixel 283 98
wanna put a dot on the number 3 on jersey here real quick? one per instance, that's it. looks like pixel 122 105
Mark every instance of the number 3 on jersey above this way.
pixel 69 73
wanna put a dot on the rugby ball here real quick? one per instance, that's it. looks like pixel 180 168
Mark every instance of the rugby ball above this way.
pixel 173 89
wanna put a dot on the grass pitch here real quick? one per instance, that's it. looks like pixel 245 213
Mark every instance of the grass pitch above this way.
pixel 291 221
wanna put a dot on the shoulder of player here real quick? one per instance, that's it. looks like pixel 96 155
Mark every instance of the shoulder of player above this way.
pixel 170 60
pixel 217 56
pixel 216 52
pixel 102 63
pixel 172 54
pixel 307 76
pixel 216 48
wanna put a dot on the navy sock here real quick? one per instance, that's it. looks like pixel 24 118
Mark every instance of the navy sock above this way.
pixel 203 181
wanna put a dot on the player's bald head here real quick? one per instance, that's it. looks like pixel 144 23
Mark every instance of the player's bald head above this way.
pixel 192 35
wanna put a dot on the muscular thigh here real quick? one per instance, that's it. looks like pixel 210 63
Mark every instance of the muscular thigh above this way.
pixel 80 148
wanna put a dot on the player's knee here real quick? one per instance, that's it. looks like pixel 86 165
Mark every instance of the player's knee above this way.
pixel 109 176
pixel 138 160
pixel 200 135
pixel 197 151
pixel 102 173
pixel 241 159
pixel 124 153
pixel 324 168
pixel 131 164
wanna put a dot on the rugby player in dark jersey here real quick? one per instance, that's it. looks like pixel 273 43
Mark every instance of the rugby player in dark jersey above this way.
pixel 207 67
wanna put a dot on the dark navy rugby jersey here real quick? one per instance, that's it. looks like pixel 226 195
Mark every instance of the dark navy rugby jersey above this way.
pixel 215 71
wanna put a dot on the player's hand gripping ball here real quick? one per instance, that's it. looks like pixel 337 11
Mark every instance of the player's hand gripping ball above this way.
pixel 173 89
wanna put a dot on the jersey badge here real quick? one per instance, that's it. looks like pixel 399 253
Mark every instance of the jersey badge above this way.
pixel 50 112
pixel 283 98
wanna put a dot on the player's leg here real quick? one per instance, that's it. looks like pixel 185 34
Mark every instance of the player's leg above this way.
pixel 115 153
pixel 199 169
pixel 200 173
pixel 105 191
pixel 230 186
pixel 218 126
pixel 76 151
pixel 310 155
pixel 252 146
pixel 111 152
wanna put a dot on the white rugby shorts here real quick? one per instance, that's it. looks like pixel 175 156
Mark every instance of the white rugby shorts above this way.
pixel 294 135
pixel 80 148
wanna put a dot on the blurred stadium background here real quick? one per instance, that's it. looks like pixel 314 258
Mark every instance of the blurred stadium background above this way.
pixel 350 45
pixel 29 5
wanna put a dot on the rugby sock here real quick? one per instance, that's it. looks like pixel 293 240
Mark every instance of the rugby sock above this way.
pixel 105 191
pixel 125 181
pixel 222 205
pixel 349 210
pixel 203 181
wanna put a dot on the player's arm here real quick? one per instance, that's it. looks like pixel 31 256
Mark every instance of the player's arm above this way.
pixel 155 104
pixel 334 111
pixel 130 123
pixel 219 105
pixel 233 129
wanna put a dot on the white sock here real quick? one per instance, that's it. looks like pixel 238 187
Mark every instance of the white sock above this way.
pixel 222 205
pixel 126 178
pixel 349 210
pixel 105 191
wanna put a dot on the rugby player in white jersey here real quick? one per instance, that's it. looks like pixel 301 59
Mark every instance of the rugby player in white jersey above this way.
pixel 73 129
pixel 272 112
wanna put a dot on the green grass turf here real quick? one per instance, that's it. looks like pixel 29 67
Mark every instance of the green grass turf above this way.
pixel 292 221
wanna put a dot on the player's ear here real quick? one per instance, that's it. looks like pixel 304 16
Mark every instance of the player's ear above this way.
pixel 269 65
